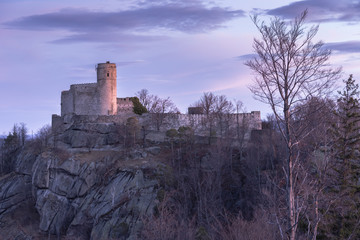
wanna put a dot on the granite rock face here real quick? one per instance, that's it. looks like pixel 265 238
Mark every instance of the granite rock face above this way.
pixel 15 190
pixel 91 200
pixel 15 187
pixel 79 194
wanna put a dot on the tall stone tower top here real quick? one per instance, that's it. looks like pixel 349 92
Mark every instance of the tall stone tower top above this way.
pixel 106 71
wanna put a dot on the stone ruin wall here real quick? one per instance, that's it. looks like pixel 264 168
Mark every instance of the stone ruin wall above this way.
pixel 77 131
pixel 198 122
pixel 81 99
pixel 124 105
pixel 251 120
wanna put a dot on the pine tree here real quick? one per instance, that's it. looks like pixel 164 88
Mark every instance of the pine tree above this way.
pixel 344 219
pixel 138 107
pixel 347 132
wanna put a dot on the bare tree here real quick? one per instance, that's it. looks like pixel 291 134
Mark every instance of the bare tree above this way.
pixel 160 109
pixel 145 98
pixel 223 110
pixel 42 137
pixel 208 104
pixel 242 125
pixel 290 68
pixel 218 112
pixel 22 133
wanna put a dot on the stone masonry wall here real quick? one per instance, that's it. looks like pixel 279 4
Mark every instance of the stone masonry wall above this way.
pixel 124 105
pixel 80 99
pixel 77 130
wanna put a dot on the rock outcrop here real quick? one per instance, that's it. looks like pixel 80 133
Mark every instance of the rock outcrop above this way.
pixel 15 190
pixel 84 195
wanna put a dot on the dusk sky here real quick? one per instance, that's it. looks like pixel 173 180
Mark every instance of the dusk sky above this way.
pixel 172 48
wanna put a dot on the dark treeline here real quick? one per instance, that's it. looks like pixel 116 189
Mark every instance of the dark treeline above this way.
pixel 18 140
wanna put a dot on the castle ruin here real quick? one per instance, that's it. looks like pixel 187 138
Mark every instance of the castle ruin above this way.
pixel 98 98
pixel 93 111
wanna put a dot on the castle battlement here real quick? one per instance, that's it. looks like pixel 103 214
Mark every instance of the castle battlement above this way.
pixel 83 84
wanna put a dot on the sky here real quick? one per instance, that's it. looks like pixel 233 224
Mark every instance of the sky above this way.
pixel 177 49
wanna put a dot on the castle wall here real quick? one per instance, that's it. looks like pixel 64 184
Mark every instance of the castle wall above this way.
pixel 85 101
pixel 67 102
pixel 80 99
pixel 74 129
pixel 124 105
pixel 249 120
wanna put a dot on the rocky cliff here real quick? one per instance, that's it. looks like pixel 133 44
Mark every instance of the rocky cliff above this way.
pixel 103 194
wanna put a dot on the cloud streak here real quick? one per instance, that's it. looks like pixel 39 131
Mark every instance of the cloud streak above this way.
pixel 108 38
pixel 246 57
pixel 85 24
pixel 321 10
pixel 344 47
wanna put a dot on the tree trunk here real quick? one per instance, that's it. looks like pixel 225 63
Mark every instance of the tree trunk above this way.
pixel 317 217
pixel 292 201
pixel 290 173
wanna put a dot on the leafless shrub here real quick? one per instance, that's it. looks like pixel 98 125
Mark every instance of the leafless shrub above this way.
pixel 167 224
pixel 239 229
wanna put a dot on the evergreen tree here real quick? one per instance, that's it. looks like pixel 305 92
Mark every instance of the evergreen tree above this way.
pixel 346 132
pixel 138 107
pixel 344 218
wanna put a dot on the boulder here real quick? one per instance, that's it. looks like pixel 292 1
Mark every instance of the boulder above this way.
pixel 56 212
pixel 153 150
pixel 24 162
pixel 15 189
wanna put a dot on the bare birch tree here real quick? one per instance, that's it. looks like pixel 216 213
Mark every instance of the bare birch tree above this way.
pixel 289 69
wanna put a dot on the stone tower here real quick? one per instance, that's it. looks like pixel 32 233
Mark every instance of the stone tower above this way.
pixel 106 79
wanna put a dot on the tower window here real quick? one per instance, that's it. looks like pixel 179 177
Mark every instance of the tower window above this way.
pixel 107 74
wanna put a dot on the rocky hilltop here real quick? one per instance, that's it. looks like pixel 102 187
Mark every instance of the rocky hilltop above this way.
pixel 106 177
pixel 77 194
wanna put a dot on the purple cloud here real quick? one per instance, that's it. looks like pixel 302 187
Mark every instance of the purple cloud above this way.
pixel 321 10
pixel 345 47
pixel 174 17
pixel 108 38
pixel 246 57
